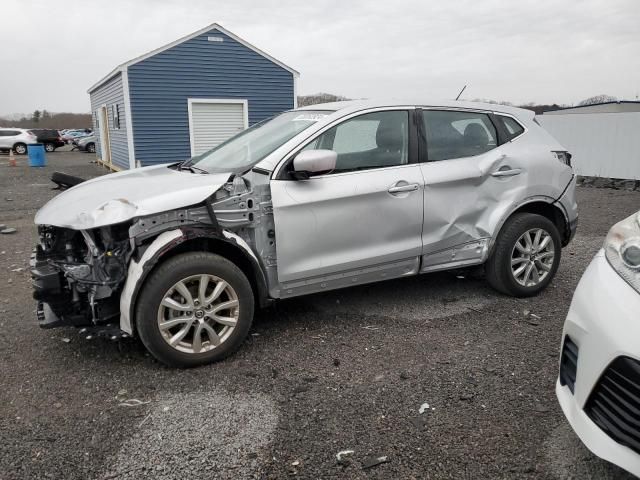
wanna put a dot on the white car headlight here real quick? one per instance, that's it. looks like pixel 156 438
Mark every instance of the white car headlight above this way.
pixel 622 249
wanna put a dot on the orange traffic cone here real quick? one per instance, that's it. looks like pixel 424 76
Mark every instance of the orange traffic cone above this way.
pixel 12 159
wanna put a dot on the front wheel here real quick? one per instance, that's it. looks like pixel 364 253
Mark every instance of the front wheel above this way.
pixel 196 308
pixel 525 257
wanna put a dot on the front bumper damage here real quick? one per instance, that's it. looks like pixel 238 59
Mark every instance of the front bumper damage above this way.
pixel 77 275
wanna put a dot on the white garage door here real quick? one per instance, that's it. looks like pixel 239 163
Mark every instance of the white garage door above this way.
pixel 211 122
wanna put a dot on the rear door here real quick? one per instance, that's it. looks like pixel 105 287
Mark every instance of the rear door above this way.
pixel 359 223
pixel 470 181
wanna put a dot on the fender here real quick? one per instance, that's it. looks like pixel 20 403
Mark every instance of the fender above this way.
pixel 166 242
pixel 552 202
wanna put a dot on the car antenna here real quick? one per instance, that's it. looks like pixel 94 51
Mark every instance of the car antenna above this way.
pixel 461 92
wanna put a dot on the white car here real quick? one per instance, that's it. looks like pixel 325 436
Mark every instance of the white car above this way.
pixel 16 139
pixel 599 382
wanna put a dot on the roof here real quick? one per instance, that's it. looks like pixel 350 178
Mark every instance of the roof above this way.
pixel 355 105
pixel 214 26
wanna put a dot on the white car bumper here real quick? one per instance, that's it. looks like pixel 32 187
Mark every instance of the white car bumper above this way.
pixel 604 323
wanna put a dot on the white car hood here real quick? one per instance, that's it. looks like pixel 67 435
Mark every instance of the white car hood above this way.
pixel 121 196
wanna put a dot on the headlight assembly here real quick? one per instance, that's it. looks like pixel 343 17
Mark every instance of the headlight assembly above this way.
pixel 622 249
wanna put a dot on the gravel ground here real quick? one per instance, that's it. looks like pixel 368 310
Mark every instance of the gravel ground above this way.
pixel 343 370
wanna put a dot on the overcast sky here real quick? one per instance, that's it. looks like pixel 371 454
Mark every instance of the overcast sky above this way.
pixel 519 51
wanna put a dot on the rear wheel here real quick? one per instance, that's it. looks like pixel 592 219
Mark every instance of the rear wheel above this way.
pixel 525 257
pixel 20 148
pixel 91 147
pixel 49 147
pixel 196 308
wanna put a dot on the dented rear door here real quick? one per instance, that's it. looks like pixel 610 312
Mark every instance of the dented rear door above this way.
pixel 470 181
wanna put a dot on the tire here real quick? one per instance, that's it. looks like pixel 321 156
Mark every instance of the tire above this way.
pixel 20 149
pixel 189 269
pixel 91 147
pixel 65 180
pixel 503 268
pixel 49 147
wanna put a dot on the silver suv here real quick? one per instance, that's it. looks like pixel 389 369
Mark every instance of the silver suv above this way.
pixel 16 139
pixel 314 199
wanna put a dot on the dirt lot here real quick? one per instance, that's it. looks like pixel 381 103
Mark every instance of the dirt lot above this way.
pixel 345 370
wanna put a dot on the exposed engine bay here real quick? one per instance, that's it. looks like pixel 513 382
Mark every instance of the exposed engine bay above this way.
pixel 80 275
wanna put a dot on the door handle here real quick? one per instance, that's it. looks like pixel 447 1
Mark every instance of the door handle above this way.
pixel 411 187
pixel 507 172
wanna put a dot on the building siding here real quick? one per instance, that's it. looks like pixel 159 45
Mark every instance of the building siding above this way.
pixel 159 87
pixel 109 93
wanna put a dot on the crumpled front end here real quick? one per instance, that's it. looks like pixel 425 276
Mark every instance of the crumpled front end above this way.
pixel 78 274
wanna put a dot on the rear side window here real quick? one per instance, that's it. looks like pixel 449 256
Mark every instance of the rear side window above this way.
pixel 511 127
pixel 456 134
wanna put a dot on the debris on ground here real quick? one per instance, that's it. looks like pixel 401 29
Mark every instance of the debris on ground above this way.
pixel 295 463
pixel 7 231
pixel 370 462
pixel 423 408
pixel 66 339
pixel 340 456
pixel 133 402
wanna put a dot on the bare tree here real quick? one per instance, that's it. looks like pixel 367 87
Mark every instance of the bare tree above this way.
pixel 597 99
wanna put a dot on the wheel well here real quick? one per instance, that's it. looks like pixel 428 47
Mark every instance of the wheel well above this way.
pixel 228 251
pixel 551 212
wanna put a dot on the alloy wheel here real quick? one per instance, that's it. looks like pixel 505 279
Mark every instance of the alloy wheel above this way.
pixel 198 313
pixel 532 257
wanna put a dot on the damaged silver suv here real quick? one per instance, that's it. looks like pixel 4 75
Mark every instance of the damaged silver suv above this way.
pixel 314 199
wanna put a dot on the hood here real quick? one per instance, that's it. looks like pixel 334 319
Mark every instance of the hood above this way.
pixel 121 196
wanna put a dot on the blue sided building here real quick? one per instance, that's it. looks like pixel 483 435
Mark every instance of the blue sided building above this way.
pixel 185 98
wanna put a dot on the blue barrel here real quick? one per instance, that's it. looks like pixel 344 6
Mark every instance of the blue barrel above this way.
pixel 36 155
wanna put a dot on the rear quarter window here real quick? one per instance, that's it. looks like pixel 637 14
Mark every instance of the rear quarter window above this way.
pixel 511 126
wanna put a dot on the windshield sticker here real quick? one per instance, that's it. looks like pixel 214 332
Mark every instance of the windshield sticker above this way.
pixel 309 117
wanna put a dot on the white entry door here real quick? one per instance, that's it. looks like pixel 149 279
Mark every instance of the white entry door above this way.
pixel 212 121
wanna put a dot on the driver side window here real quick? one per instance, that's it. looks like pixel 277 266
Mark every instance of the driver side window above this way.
pixel 372 140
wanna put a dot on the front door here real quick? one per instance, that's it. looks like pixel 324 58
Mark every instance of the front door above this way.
pixel 468 176
pixel 105 140
pixel 359 223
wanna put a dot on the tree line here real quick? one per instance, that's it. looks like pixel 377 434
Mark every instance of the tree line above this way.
pixel 46 119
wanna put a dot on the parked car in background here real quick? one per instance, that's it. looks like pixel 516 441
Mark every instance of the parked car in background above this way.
pixel 599 382
pixel 16 139
pixel 50 138
pixel 314 199
pixel 86 144
pixel 71 135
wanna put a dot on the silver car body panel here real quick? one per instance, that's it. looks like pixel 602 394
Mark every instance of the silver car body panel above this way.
pixel 134 274
pixel 344 222
pixel 121 196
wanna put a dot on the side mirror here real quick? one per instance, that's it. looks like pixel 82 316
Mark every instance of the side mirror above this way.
pixel 313 162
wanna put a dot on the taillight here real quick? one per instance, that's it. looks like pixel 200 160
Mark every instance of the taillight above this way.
pixel 563 156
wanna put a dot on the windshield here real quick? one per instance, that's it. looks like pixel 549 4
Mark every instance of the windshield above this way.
pixel 244 150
